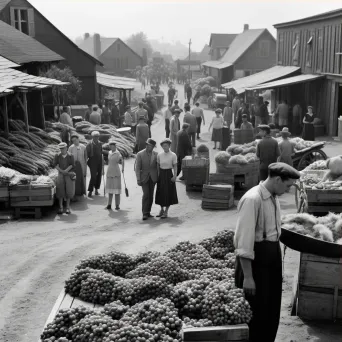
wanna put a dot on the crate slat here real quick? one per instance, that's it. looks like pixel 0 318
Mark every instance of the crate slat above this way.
pixel 78 302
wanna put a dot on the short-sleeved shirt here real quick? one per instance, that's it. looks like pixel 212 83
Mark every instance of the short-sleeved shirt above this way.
pixel 217 122
pixel 198 112
pixel 167 160
pixel 168 114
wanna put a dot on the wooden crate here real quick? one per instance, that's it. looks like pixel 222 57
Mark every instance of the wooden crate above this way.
pixel 219 197
pixel 228 333
pixel 32 196
pixel 324 201
pixel 196 175
pixel 319 289
pixel 188 162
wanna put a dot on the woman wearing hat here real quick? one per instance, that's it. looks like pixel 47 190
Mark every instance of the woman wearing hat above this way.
pixel 65 188
pixel 217 124
pixel 166 194
pixel 79 152
pixel 113 184
pixel 309 130
pixel 286 147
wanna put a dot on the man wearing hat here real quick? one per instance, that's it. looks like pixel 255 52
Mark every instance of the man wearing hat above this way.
pixel 267 150
pixel 198 112
pixel 286 147
pixel 258 264
pixel 174 128
pixel 95 163
pixel 191 120
pixel 147 175
pixel 142 134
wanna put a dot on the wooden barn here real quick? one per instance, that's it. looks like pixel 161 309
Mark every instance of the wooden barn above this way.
pixel 26 18
pixel 314 45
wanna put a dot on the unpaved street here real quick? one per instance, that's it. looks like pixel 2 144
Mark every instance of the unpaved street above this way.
pixel 37 256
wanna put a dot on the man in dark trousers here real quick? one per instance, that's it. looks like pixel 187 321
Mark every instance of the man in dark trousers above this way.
pixel 267 150
pixel 258 267
pixel 171 94
pixel 189 93
pixel 95 163
pixel 115 115
pixel 184 147
pixel 147 175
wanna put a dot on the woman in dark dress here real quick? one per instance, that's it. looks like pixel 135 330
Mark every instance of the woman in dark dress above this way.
pixel 309 130
pixel 166 194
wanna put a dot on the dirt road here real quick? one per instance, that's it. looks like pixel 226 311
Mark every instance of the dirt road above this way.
pixel 37 256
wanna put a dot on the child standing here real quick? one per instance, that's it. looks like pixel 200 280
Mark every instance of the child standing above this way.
pixel 286 147
pixel 217 124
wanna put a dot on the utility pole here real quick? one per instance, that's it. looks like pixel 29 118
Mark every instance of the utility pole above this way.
pixel 189 60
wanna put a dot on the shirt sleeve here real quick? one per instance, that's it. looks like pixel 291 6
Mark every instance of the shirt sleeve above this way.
pixel 174 159
pixel 244 237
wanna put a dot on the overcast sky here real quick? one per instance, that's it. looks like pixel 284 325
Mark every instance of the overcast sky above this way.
pixel 174 20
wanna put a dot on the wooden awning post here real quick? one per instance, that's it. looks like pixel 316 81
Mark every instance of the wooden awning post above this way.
pixel 25 111
pixel 42 113
pixel 129 97
pixel 4 112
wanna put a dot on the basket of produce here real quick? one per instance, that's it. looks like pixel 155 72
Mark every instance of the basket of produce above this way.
pixel 315 235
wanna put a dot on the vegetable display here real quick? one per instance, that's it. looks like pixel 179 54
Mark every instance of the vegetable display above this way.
pixel 327 228
pixel 152 296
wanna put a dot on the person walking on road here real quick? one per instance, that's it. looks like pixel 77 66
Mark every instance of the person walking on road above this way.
pixel 199 114
pixel 184 147
pixel 258 269
pixel 261 115
pixel 166 194
pixel 174 128
pixel 142 134
pixel 95 163
pixel 228 114
pixel 141 112
pixel 172 93
pixel 65 188
pixel 175 106
pixel 192 121
pixel 286 147
pixel 267 150
pixel 167 117
pixel 217 124
pixel 113 184
pixel 95 117
pixel 189 93
pixel 147 175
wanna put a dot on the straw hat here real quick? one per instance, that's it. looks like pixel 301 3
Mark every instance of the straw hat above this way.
pixel 95 134
pixel 285 131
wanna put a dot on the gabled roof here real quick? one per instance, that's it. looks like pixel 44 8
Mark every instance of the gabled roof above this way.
pixel 314 18
pixel 87 45
pixel 6 63
pixel 221 40
pixel 241 44
pixel 21 48
pixel 4 3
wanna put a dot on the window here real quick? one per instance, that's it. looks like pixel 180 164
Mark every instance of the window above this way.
pixel 23 20
pixel 309 51
pixel 281 48
pixel 295 49
pixel 264 48
pixel 118 47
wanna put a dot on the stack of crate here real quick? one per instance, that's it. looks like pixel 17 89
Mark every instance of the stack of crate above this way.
pixel 219 197
pixel 195 172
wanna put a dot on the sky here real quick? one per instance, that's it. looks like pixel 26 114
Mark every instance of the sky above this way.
pixel 171 21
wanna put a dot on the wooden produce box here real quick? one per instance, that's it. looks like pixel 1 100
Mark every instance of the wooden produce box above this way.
pixel 324 201
pixel 189 161
pixel 219 197
pixel 319 291
pixel 32 195
pixel 228 333
pixel 247 174
pixel 243 136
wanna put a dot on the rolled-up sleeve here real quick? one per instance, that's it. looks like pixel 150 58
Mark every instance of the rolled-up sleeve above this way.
pixel 244 237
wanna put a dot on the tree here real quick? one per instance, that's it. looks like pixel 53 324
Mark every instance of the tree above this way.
pixel 137 42
pixel 64 95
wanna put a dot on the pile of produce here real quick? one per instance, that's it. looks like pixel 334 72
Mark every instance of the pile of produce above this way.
pixel 327 228
pixel 124 142
pixel 151 296
pixel 225 158
pixel 317 165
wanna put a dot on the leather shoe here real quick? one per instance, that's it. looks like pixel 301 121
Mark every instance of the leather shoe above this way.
pixel 145 217
pixel 97 193
pixel 149 215
pixel 90 194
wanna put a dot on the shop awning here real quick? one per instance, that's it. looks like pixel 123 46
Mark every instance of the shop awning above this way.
pixel 217 64
pixel 287 81
pixel 210 64
pixel 115 82
pixel 240 85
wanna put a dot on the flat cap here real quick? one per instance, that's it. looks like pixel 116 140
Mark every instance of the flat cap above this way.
pixel 166 141
pixel 95 134
pixel 62 145
pixel 263 127
pixel 112 142
pixel 284 170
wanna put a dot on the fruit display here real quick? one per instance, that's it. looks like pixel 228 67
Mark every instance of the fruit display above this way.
pixel 326 185
pixel 152 296
pixel 327 228
pixel 317 165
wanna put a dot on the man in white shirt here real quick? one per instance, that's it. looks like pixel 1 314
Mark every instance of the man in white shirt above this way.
pixel 198 112
pixel 259 268
pixel 65 117
pixel 167 117
pixel 191 120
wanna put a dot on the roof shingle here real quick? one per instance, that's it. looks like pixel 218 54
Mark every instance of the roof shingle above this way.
pixel 221 40
pixel 21 48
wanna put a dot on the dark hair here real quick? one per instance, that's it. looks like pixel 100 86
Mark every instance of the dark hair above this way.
pixel 187 107
pixel 244 115
pixel 273 173
pixel 74 136
pixel 176 101
pixel 185 125
pixel 266 129
pixel 65 109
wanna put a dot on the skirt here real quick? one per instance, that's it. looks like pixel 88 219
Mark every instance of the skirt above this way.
pixel 113 185
pixel 309 132
pixel 217 135
pixel 166 194
pixel 65 187
pixel 80 188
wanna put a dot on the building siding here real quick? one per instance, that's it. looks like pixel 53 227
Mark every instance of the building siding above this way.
pixel 82 66
pixel 128 59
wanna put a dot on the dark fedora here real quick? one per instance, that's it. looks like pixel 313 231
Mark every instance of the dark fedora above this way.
pixel 151 142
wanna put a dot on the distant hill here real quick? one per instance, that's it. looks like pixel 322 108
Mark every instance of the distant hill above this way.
pixel 177 50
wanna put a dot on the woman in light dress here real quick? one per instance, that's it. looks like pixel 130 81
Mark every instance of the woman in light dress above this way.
pixel 113 184
pixel 79 152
